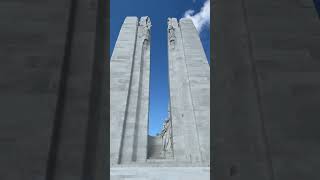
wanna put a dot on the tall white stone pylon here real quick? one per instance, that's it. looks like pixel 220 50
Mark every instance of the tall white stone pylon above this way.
pixel 129 92
pixel 189 79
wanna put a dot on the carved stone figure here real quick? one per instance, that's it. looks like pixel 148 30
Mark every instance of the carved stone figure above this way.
pixel 171 33
pixel 166 136
pixel 184 136
pixel 145 24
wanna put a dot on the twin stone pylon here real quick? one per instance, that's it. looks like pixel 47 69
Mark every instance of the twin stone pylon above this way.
pixel 189 82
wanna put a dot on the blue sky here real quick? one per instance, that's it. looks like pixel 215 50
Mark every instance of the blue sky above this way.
pixel 158 11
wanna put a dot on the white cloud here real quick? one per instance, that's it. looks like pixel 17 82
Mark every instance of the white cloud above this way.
pixel 200 19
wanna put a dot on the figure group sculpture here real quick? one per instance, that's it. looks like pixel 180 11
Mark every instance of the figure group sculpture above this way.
pixel 171 33
pixel 145 23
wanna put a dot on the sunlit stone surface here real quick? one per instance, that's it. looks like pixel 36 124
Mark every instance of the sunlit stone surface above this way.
pixel 182 149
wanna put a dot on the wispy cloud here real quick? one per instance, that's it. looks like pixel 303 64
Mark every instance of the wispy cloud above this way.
pixel 200 19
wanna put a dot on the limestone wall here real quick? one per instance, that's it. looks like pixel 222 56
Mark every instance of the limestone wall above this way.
pixel 52 72
pixel 129 92
pixel 189 81
pixel 266 69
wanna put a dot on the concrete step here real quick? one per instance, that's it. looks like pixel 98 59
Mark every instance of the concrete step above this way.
pixel 160 173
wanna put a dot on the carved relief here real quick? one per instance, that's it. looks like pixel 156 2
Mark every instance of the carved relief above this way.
pixel 145 24
pixel 171 34
pixel 166 136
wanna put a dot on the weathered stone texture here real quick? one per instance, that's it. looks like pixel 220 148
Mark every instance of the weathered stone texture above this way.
pixel 189 78
pixel 266 89
pixel 132 150
pixel 50 56
pixel 185 138
pixel 199 83
pixel 129 92
pixel 120 76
